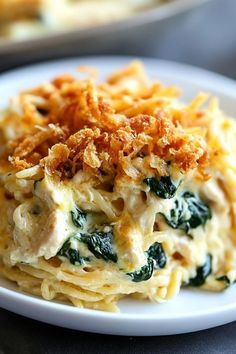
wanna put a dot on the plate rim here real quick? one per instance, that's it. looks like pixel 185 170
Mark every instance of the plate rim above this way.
pixel 23 298
pixel 228 83
pixel 157 13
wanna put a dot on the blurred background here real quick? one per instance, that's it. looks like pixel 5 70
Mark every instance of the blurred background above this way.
pixel 197 32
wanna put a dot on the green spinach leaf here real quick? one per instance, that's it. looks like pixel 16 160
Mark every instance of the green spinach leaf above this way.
pixel 189 212
pixel 70 253
pixel 227 281
pixel 100 244
pixel 156 259
pixel 202 273
pixel 144 273
pixel 158 255
pixel 78 217
pixel 224 278
pixel 164 188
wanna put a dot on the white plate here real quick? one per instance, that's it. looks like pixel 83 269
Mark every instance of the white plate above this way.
pixel 192 310
pixel 94 37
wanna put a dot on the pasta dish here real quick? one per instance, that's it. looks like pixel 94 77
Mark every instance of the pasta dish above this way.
pixel 114 189
pixel 20 19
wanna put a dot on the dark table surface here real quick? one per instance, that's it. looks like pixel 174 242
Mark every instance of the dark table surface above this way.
pixel 207 38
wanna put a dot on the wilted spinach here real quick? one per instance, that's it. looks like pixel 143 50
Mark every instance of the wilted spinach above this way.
pixel 156 259
pixel 227 281
pixel 70 253
pixel 144 273
pixel 79 217
pixel 157 254
pixel 202 273
pixel 100 244
pixel 164 188
pixel 189 212
pixel 224 278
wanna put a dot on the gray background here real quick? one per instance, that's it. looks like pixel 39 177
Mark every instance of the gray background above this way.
pixel 205 38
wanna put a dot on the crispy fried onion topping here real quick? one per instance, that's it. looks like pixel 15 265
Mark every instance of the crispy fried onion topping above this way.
pixel 121 126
